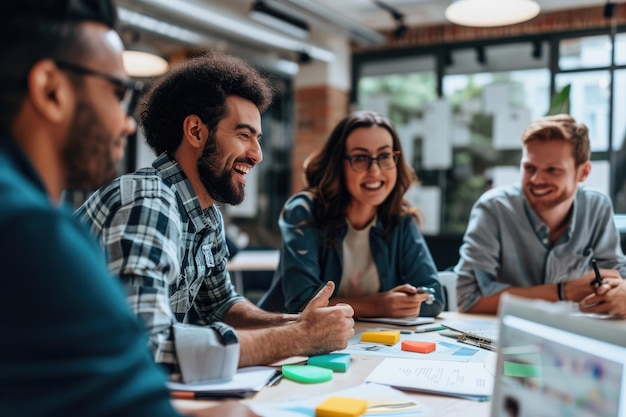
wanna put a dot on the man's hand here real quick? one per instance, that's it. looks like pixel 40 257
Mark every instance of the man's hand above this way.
pixel 579 288
pixel 326 328
pixel 609 298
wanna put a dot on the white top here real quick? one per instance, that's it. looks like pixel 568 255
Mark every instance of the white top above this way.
pixel 359 275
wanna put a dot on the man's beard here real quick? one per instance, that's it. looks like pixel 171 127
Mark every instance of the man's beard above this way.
pixel 88 154
pixel 538 204
pixel 218 183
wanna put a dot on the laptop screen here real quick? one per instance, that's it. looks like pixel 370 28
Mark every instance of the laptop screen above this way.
pixel 553 363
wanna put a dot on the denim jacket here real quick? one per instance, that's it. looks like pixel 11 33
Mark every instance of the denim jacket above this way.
pixel 306 262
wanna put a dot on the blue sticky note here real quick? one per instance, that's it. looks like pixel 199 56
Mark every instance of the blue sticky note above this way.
pixel 465 352
pixel 335 361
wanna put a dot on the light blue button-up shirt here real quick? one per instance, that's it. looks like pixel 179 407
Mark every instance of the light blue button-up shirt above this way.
pixel 507 245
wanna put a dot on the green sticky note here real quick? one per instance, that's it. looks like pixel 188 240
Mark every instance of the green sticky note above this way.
pixel 335 361
pixel 524 370
pixel 308 374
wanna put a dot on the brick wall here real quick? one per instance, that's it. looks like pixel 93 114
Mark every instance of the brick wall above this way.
pixel 318 110
pixel 552 22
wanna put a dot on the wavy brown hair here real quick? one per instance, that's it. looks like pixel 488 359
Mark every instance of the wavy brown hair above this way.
pixel 561 127
pixel 326 180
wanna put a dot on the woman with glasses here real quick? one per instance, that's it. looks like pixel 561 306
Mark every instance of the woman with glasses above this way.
pixel 352 225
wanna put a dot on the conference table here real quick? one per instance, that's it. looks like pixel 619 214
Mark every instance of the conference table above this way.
pixel 360 367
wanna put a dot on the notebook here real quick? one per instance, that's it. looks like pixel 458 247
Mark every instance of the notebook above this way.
pixel 553 363
pixel 246 382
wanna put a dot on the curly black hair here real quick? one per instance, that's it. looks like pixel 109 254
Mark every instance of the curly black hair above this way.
pixel 199 86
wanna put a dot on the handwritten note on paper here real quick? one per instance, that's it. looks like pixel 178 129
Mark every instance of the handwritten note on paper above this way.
pixel 460 379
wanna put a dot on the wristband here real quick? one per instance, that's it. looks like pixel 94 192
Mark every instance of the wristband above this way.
pixel 560 290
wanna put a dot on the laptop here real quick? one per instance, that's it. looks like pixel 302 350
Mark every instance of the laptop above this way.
pixel 551 362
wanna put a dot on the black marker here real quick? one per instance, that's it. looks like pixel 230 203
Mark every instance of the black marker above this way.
pixel 597 281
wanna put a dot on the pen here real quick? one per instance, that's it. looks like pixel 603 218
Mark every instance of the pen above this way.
pixel 423 329
pixel 275 379
pixel 192 395
pixel 597 281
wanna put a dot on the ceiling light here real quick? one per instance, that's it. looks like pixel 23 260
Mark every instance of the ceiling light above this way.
pixel 323 16
pixel 279 20
pixel 143 64
pixel 488 13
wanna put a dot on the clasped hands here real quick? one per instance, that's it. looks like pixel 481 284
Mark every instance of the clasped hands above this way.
pixel 607 298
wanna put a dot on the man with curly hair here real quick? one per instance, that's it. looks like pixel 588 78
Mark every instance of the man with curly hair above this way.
pixel 163 233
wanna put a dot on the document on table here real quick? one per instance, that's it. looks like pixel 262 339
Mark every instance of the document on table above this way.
pixel 458 379
pixel 399 321
pixel 245 382
pixel 382 401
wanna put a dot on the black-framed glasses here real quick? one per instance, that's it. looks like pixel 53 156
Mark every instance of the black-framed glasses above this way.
pixel 363 162
pixel 127 91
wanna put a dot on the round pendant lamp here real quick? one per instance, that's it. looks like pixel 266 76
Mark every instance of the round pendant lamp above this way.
pixel 490 13
pixel 143 64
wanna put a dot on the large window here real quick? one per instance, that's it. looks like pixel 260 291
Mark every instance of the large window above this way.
pixel 493 108
pixel 467 138
pixel 400 88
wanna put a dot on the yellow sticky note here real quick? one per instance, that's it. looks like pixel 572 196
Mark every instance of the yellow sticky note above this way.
pixel 388 337
pixel 341 407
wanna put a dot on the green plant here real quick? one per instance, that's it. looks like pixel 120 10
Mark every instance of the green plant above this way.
pixel 560 101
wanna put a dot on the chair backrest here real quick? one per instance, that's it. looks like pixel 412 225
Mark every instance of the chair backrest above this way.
pixel 448 280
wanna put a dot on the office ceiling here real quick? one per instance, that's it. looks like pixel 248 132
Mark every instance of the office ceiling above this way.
pixel 424 12
pixel 170 25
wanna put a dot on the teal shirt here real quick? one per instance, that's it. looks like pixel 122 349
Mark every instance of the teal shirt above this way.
pixel 69 346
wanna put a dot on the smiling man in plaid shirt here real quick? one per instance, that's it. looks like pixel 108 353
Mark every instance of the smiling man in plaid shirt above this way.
pixel 163 233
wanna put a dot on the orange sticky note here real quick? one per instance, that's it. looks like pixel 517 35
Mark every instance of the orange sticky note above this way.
pixel 419 347
pixel 341 407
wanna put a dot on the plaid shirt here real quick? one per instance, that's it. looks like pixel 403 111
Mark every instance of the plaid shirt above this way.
pixel 170 255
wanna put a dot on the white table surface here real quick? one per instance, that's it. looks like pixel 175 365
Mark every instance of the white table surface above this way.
pixel 360 368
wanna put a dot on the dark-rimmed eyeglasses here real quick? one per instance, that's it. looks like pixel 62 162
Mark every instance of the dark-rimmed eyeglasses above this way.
pixel 363 162
pixel 127 91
